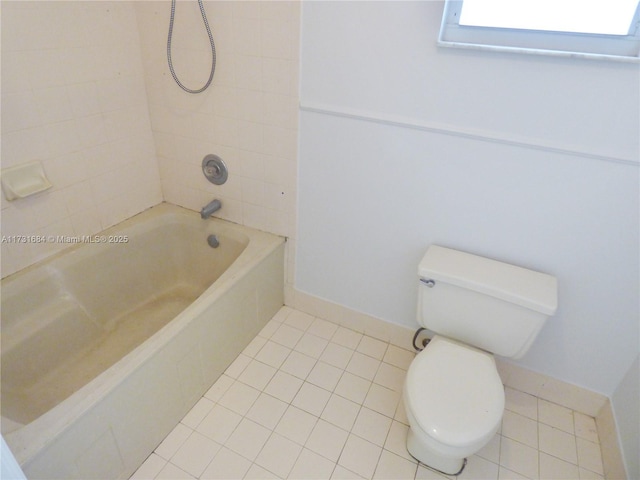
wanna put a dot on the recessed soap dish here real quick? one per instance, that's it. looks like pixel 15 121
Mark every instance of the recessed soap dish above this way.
pixel 23 180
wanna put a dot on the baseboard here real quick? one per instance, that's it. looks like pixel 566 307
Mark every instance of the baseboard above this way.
pixel 514 376
pixel 612 460
pixel 519 378
pixel 398 335
pixel 550 389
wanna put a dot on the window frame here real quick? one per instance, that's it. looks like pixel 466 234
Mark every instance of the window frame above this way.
pixel 624 48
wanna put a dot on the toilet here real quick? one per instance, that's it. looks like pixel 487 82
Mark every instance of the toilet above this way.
pixel 474 307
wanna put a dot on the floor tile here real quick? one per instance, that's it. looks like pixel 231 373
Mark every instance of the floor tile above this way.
pixel 491 451
pixel 284 313
pixel 341 473
pixel 372 426
pixel 327 440
pixel 219 388
pixel 311 398
pixel 353 387
pixel 479 468
pixel 347 338
pixel 237 367
pixel 589 475
pixel 279 455
pixel 372 347
pixel 308 399
pixel 585 427
pixel 283 386
pixel 239 398
pixel 257 374
pixel 506 474
pixel 151 467
pixel 360 456
pixel 553 468
pixel 300 320
pixel 287 335
pixel 556 416
pixel 390 377
pixel 323 328
pixel 396 440
pixel 273 354
pixel 398 357
pixel 219 423
pixel 589 456
pixel 298 364
pixel 254 346
pixel 521 403
pixel 311 466
pixel 296 424
pixel 270 328
pixel 382 400
pixel 425 473
pixel 267 411
pixel 198 412
pixel 393 467
pixel 171 472
pixel 195 454
pixel 340 412
pixel 311 345
pixel 248 439
pixel 558 443
pixel 324 376
pixel 363 366
pixel 519 458
pixel 173 441
pixel 226 465
pixel 520 428
pixel 256 472
pixel 336 355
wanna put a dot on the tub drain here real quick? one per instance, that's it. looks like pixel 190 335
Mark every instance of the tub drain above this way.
pixel 213 241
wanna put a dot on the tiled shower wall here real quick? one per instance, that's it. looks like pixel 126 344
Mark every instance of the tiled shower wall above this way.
pixel 87 91
pixel 73 97
pixel 249 116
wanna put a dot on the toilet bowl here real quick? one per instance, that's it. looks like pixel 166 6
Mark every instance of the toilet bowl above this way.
pixel 454 400
pixel 475 307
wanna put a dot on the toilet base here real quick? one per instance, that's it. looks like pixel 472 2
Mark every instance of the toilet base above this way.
pixel 448 465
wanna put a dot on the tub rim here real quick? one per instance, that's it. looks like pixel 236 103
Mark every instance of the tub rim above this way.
pixel 26 441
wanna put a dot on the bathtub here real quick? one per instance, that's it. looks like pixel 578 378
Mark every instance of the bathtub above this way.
pixel 107 345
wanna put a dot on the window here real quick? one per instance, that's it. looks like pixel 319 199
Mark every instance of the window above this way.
pixel 594 28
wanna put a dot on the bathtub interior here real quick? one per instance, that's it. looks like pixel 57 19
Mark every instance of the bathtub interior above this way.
pixel 61 326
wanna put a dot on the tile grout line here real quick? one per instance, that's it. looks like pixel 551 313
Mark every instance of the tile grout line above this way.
pixel 373 350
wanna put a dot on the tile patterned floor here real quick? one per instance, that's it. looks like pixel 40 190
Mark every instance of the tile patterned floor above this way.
pixel 308 399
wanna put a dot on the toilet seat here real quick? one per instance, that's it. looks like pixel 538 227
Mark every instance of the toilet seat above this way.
pixel 454 393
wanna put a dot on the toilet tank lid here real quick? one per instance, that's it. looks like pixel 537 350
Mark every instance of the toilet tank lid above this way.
pixel 528 288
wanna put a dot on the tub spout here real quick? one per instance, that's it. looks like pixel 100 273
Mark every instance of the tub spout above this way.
pixel 210 208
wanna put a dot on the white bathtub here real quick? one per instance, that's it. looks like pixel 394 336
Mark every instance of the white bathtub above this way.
pixel 106 346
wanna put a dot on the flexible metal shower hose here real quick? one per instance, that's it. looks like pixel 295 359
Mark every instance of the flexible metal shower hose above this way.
pixel 213 49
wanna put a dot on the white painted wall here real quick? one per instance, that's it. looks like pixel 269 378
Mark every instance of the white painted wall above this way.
pixel 530 160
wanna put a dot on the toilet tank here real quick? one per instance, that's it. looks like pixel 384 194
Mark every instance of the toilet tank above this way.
pixel 491 305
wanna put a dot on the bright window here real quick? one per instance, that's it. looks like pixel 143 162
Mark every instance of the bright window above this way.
pixel 602 28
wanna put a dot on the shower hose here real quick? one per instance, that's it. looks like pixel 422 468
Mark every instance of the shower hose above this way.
pixel 213 49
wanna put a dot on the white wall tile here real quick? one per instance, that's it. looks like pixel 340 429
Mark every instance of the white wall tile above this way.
pixel 76 102
pixel 255 85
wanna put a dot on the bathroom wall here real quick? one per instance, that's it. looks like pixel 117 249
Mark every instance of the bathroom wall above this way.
pixel 73 97
pixel 249 116
pixel 528 159
pixel 87 91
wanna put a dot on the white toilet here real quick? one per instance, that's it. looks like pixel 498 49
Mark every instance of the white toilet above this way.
pixel 475 307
